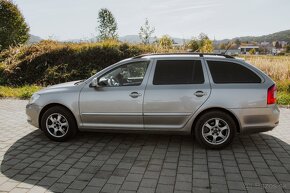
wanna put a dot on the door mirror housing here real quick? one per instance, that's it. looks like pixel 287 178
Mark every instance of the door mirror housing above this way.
pixel 95 83
pixel 98 83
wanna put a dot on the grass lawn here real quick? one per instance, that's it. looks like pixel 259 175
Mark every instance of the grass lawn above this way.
pixel 23 92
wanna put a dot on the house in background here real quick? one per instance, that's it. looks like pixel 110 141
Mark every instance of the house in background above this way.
pixel 265 43
pixel 245 49
pixel 230 52
pixel 278 47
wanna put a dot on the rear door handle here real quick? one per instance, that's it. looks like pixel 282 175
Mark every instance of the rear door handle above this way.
pixel 135 94
pixel 199 93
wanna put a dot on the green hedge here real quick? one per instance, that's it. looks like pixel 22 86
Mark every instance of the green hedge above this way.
pixel 52 62
pixel 283 97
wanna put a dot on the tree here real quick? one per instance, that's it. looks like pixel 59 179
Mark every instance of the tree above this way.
pixel 202 36
pixel 288 48
pixel 107 25
pixel 13 28
pixel 252 51
pixel 207 46
pixel 146 32
pixel 238 42
pixel 224 46
pixel 165 42
pixel 278 45
pixel 193 45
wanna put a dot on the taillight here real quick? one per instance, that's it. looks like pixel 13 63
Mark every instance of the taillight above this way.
pixel 271 96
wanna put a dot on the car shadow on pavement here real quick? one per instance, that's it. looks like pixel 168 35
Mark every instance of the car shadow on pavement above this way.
pixel 110 162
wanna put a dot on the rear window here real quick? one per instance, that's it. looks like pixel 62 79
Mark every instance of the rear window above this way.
pixel 230 72
pixel 178 72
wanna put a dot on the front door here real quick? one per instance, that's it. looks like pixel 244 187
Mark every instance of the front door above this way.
pixel 118 102
pixel 176 88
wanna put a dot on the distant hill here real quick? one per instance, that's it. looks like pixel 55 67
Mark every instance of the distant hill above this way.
pixel 278 36
pixel 136 39
pixel 126 38
pixel 33 39
pixel 132 39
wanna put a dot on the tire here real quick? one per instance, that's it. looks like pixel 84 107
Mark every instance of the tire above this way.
pixel 215 130
pixel 58 124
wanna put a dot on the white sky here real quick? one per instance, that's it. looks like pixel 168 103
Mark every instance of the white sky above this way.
pixel 77 19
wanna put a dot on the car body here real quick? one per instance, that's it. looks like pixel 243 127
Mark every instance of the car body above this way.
pixel 148 103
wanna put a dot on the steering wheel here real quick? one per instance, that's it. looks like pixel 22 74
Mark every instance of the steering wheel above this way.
pixel 113 81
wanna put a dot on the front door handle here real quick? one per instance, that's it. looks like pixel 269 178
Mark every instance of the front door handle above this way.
pixel 199 93
pixel 135 94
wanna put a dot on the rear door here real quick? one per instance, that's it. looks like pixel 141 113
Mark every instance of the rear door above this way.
pixel 176 88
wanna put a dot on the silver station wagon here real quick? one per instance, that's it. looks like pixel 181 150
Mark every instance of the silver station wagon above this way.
pixel 211 96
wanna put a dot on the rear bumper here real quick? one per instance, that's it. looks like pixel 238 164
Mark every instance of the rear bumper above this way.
pixel 254 120
pixel 32 112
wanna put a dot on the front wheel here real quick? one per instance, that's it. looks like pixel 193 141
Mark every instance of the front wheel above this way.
pixel 58 124
pixel 215 129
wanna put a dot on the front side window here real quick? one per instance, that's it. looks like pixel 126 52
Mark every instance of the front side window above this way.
pixel 230 72
pixel 168 72
pixel 131 74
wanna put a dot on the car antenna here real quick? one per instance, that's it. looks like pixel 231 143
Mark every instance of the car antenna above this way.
pixel 197 50
pixel 228 47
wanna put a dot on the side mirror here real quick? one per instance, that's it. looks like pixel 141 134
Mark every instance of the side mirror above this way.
pixel 95 83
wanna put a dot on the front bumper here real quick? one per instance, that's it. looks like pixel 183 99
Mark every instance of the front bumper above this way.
pixel 32 112
pixel 254 120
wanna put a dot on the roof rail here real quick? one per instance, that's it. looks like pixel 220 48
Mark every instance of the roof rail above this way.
pixel 183 53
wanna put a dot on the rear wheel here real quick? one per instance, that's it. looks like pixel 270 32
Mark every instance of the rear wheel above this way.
pixel 58 124
pixel 215 129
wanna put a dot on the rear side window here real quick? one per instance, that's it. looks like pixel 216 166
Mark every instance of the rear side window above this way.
pixel 229 72
pixel 169 72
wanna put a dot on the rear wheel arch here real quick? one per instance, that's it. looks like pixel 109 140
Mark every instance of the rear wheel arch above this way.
pixel 216 109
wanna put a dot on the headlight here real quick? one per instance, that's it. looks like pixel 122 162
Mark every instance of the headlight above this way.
pixel 34 97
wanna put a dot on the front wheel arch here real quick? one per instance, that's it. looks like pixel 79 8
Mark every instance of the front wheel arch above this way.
pixel 45 108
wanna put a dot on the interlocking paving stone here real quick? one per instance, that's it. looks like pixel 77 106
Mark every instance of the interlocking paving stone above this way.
pixel 91 189
pixel 143 163
pixel 116 180
pixel 161 188
pixel 97 182
pixel 146 190
pixel 149 183
pixel 130 186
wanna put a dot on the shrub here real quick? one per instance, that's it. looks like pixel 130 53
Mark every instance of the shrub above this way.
pixel 284 86
pixel 165 42
pixel 283 98
pixel 52 62
pixel 2 68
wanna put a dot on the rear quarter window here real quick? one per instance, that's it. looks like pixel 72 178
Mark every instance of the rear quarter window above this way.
pixel 230 72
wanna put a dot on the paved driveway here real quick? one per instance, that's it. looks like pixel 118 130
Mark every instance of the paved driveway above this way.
pixel 101 162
